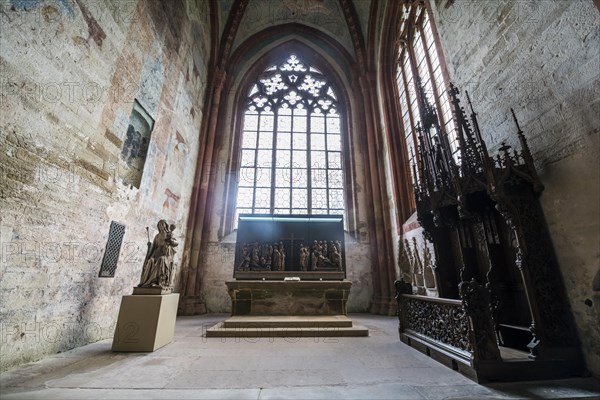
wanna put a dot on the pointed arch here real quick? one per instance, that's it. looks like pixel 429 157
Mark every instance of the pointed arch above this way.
pixel 251 65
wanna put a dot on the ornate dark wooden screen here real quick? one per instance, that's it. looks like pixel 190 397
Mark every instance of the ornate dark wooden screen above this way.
pixel 493 252
pixel 291 147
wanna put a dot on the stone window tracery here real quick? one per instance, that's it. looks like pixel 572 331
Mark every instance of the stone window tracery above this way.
pixel 291 145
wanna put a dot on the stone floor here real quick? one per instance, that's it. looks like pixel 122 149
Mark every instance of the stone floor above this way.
pixel 194 367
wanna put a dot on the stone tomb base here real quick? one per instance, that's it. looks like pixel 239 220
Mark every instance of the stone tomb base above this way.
pixel 288 309
pixel 254 297
pixel 146 322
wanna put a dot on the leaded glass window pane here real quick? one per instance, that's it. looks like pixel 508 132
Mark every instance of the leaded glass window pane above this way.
pixel 266 122
pixel 299 178
pixel 263 197
pixel 299 141
pixel 246 177
pixel 317 141
pixel 300 124
pixel 318 178
pixel 284 123
pixel 336 198
pixel 248 158
pixel 333 125
pixel 249 139
pixel 317 124
pixel 284 140
pixel 282 198
pixel 334 160
pixel 265 140
pixel 251 122
pixel 299 198
pixel 282 177
pixel 263 177
pixel 319 198
pixel 245 196
pixel 299 159
pixel 264 158
pixel 317 159
pixel 335 178
pixel 334 142
pixel 283 158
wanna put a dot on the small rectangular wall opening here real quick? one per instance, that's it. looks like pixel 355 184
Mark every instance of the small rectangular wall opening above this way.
pixel 112 250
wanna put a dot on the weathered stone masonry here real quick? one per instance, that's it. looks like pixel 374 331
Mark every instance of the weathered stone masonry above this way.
pixel 69 74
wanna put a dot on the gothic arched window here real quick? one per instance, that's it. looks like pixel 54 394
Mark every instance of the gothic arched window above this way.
pixel 291 145
pixel 419 57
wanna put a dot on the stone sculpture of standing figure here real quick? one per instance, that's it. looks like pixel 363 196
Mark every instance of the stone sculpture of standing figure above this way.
pixel 158 267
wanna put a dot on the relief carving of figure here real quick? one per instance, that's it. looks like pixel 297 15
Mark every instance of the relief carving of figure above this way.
pixel 336 258
pixel 314 257
pixel 304 256
pixel 158 266
pixel 245 264
pixel 255 257
pixel 276 257
pixel 282 261
pixel 326 255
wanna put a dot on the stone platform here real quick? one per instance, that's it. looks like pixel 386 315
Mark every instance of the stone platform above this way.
pixel 265 308
pixel 287 326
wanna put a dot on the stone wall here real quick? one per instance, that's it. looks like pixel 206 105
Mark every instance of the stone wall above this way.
pixel 70 72
pixel 542 59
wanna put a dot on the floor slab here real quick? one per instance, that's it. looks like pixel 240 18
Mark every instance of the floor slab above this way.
pixel 196 367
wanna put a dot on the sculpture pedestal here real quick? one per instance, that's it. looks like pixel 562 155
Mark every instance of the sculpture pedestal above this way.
pixel 146 322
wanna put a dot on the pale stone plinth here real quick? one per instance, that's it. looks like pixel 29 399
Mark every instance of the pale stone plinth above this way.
pixel 146 322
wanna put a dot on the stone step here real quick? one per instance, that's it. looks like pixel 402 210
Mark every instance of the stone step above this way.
pixel 288 321
pixel 287 332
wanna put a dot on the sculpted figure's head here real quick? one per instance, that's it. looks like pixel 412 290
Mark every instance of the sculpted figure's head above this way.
pixel 162 226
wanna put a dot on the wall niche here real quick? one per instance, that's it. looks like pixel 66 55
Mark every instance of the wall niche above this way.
pixel 135 145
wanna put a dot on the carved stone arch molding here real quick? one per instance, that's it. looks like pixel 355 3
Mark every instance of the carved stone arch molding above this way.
pixel 213 203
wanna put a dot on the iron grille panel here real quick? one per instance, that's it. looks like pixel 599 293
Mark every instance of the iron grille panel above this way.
pixel 112 250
